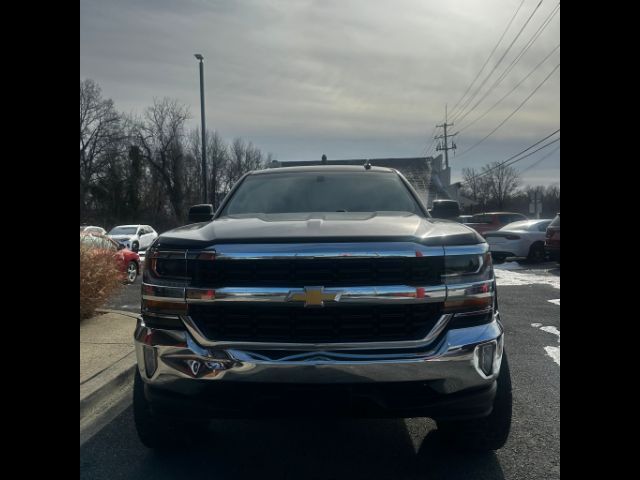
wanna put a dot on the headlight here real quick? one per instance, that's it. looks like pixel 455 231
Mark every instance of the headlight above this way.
pixel 467 268
pixel 470 284
pixel 167 264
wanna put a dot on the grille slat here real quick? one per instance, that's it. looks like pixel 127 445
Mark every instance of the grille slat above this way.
pixel 296 324
pixel 296 273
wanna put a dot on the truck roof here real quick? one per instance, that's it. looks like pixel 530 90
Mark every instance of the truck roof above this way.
pixel 322 168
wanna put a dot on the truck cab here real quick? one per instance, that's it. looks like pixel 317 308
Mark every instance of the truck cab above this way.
pixel 324 290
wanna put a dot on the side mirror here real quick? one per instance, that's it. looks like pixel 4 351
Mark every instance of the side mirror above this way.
pixel 201 213
pixel 448 209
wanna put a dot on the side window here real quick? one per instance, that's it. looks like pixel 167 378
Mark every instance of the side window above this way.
pixel 504 219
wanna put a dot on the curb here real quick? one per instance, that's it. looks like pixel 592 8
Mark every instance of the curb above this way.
pixel 99 388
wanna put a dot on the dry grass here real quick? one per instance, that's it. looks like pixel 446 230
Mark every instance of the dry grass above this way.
pixel 99 278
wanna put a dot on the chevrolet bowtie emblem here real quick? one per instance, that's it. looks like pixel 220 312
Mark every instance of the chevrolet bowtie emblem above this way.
pixel 313 296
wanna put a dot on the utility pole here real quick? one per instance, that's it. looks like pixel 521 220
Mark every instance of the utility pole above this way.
pixel 445 145
pixel 536 205
pixel 204 130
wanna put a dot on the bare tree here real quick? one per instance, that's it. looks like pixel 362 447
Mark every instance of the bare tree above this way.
pixel 235 168
pixel 551 201
pixel 159 136
pixel 100 129
pixel 476 186
pixel 472 183
pixel 144 169
pixel 502 181
pixel 217 161
pixel 253 159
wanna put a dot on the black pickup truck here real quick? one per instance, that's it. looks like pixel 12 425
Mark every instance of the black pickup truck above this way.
pixel 325 290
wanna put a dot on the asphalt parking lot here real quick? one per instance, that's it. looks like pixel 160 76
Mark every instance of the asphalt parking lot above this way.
pixel 373 449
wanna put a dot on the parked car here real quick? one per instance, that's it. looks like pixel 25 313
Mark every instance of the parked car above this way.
pixel 128 261
pixel 321 290
pixel 552 240
pixel 92 230
pixel 524 239
pixel 134 237
pixel 488 222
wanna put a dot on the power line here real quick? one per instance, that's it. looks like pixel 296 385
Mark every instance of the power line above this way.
pixel 489 57
pixel 509 163
pixel 537 162
pixel 427 149
pixel 522 151
pixel 516 59
pixel 510 92
pixel 512 113
pixel 454 115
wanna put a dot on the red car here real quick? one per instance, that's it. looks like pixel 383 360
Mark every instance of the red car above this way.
pixel 486 222
pixel 552 240
pixel 128 261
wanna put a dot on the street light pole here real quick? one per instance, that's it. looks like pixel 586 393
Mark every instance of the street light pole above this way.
pixel 204 130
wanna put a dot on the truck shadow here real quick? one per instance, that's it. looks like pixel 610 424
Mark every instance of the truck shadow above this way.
pixel 293 449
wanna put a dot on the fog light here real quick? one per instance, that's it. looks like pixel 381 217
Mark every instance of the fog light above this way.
pixel 150 362
pixel 486 354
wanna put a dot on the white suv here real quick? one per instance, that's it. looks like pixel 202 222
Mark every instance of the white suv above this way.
pixel 134 237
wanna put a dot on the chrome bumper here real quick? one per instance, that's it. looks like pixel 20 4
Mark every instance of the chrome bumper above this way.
pixel 450 365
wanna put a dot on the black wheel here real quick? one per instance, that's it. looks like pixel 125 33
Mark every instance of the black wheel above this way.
pixel 132 272
pixel 488 433
pixel 536 253
pixel 160 432
pixel 135 247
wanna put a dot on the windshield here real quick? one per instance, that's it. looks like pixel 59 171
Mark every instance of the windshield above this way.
pixel 556 222
pixel 306 192
pixel 123 231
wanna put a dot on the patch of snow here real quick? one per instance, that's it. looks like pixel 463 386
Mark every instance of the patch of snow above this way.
pixel 555 301
pixel 554 353
pixel 511 278
pixel 552 330
pixel 508 266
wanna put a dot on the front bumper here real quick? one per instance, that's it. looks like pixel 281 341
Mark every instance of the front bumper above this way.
pixel 183 376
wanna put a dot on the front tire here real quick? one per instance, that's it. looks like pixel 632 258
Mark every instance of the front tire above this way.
pixel 159 432
pixel 536 253
pixel 132 272
pixel 488 433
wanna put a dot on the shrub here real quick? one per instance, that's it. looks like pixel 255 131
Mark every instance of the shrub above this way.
pixel 100 277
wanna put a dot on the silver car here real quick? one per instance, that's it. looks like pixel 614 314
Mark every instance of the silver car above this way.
pixel 523 239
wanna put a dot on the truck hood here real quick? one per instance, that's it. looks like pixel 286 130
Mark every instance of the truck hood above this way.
pixel 329 227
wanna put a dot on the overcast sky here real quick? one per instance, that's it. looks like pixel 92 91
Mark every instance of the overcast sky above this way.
pixel 348 78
